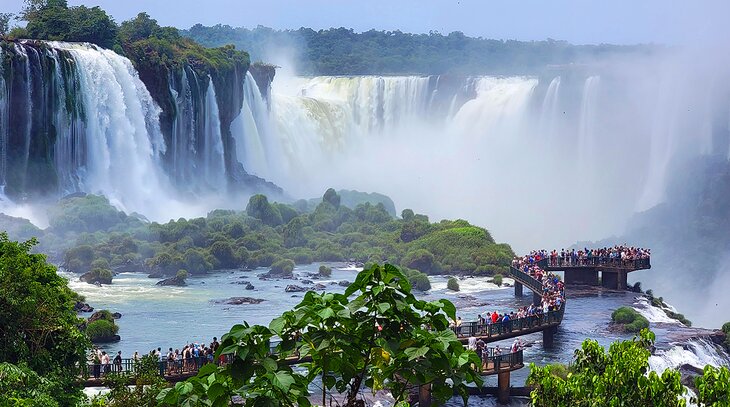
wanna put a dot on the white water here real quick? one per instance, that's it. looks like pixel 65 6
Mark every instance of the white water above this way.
pixel 214 166
pixel 653 314
pixel 122 131
pixel 697 352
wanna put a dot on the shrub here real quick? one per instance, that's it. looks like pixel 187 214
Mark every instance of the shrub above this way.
pixel 182 274
pixel 283 267
pixel 631 320
pixel 419 259
pixel 420 281
pixel 325 271
pixel 452 284
pixel 101 330
pixel 497 280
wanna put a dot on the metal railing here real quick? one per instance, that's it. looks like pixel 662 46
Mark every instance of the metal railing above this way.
pixel 489 330
pixel 493 363
pixel 525 279
pixel 636 264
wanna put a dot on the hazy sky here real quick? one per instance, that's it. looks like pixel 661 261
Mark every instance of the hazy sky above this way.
pixel 577 21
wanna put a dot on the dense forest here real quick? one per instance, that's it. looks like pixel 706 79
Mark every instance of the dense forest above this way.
pixel 341 51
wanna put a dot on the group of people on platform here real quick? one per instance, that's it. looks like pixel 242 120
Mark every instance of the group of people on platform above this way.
pixel 619 254
pixel 485 352
pixel 189 359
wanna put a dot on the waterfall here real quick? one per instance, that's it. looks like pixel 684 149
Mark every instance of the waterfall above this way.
pixel 549 113
pixel 213 154
pixel 183 128
pixel 121 151
pixel 4 127
pixel 696 352
pixel 587 130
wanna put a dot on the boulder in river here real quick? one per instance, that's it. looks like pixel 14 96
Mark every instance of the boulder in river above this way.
pixel 241 301
pixel 249 286
pixel 343 283
pixel 291 288
pixel 172 281
pixel 83 307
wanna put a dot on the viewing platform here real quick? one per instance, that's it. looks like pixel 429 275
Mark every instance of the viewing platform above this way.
pixel 614 272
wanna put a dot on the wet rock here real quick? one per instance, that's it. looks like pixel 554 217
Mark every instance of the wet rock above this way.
pixel 83 307
pixel 107 339
pixel 291 288
pixel 240 301
pixel 343 283
pixel 249 286
pixel 319 286
pixel 116 315
pixel 172 281
pixel 310 282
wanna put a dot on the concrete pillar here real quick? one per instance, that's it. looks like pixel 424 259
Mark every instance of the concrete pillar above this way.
pixel 587 276
pixel 518 289
pixel 536 299
pixel 424 395
pixel 548 337
pixel 503 387
pixel 609 280
pixel 621 277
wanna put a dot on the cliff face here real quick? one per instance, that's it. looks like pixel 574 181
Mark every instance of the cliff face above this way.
pixel 264 74
pixel 75 117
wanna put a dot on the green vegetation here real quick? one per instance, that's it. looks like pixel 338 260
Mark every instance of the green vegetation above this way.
pixel 726 330
pixel 55 20
pixel 147 385
pixel 452 284
pixel 630 319
pixel 325 271
pixel 372 336
pixel 98 275
pixel 713 387
pixel 497 280
pixel 600 378
pixel 274 234
pixel 282 268
pixel 41 346
pixel 101 331
pixel 182 275
pixel 341 51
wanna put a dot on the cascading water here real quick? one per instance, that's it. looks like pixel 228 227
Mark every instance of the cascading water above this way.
pixel 121 153
pixel 213 160
pixel 184 126
pixel 4 112
pixel 250 130
pixel 549 113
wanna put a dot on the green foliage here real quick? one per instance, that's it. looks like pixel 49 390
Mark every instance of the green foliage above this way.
pixel 147 385
pixel 5 19
pixel 614 378
pixel 419 281
pixel 452 284
pixel 256 238
pixel 407 215
pixel 370 340
pixel 89 213
pixel 282 267
pixel 713 387
pixel 23 387
pixel 259 207
pixel 631 320
pixel 39 325
pixel 331 197
pixel 421 260
pixel 497 280
pixel 325 271
pixel 182 275
pixel 98 276
pixel 341 51
pixel 54 20
pixel 101 330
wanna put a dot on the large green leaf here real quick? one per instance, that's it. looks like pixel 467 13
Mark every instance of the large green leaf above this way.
pixel 283 381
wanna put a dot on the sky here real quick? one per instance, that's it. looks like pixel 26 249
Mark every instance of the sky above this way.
pixel 672 22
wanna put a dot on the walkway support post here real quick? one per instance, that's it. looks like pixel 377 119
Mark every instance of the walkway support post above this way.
pixel 424 395
pixel 548 337
pixel 503 387
pixel 518 289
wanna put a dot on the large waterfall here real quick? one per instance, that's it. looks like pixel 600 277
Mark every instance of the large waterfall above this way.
pixel 77 118
pixel 589 145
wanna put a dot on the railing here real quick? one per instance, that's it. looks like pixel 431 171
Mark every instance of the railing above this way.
pixel 493 363
pixel 527 280
pixel 636 264
pixel 474 328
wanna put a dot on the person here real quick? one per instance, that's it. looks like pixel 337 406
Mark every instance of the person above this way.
pixel 515 346
pixel 472 343
pixel 96 359
pixel 458 325
pixel 161 361
pixel 118 362
pixel 135 356
pixel 104 363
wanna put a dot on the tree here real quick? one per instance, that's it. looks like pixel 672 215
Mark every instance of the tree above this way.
pixel 407 215
pixel 147 385
pixel 452 284
pixel 5 19
pixel 259 207
pixel 379 339
pixel 54 20
pixel 39 327
pixel 713 387
pixel 331 197
pixel 608 379
pixel 325 271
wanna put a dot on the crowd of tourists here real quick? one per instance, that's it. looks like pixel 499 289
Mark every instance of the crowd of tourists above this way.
pixel 188 359
pixel 486 353
pixel 619 255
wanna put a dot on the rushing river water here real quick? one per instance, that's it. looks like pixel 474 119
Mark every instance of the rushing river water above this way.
pixel 155 316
